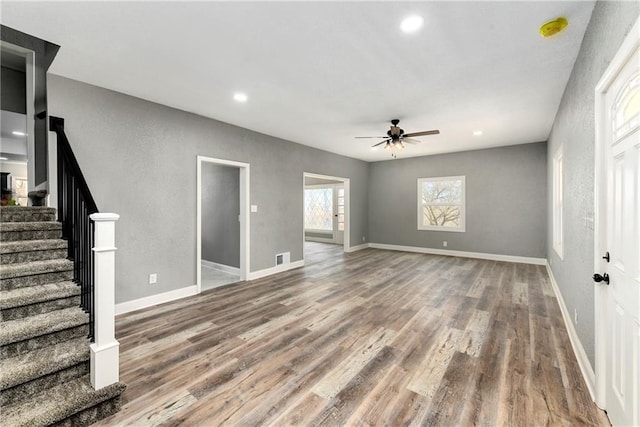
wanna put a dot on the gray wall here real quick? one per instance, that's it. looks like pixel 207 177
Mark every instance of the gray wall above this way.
pixel 505 200
pixel 220 212
pixel 137 156
pixel 574 128
pixel 13 90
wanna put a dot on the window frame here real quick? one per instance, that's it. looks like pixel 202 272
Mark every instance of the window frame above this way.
pixel 462 205
pixel 557 202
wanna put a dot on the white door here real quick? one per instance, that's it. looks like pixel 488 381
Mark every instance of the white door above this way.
pixel 622 301
pixel 338 214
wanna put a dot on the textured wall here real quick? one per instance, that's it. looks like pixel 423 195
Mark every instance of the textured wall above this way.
pixel 220 212
pixel 505 200
pixel 14 90
pixel 574 129
pixel 135 153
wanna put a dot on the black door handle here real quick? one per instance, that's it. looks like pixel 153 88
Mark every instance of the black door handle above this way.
pixel 598 278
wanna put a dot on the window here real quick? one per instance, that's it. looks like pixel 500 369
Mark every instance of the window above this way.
pixel 441 203
pixel 557 202
pixel 318 209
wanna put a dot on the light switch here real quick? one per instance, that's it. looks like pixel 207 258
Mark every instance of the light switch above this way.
pixel 254 208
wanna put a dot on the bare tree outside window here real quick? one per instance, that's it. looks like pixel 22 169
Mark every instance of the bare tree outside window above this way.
pixel 441 203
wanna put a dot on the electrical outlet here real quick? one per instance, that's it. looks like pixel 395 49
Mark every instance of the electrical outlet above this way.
pixel 575 316
pixel 444 243
pixel 363 239
pixel 153 278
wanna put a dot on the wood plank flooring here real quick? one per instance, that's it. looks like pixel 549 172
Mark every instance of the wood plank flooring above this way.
pixel 370 338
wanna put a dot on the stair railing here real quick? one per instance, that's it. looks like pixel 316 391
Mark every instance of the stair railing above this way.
pixel 91 238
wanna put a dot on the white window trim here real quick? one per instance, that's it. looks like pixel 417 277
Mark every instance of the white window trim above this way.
pixel 557 202
pixel 462 205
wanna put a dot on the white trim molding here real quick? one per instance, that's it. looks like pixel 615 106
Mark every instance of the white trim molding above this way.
pixel 274 270
pixel 358 247
pixel 463 254
pixel 150 301
pixel 222 267
pixel 581 356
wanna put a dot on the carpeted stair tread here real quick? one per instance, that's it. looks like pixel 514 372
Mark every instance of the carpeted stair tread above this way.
pixel 32 245
pixel 32 268
pixel 29 226
pixel 22 329
pixel 57 403
pixel 34 294
pixel 26 367
pixel 27 213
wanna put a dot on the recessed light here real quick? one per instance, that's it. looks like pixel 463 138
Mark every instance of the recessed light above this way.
pixel 18 133
pixel 477 133
pixel 374 148
pixel 240 97
pixel 411 24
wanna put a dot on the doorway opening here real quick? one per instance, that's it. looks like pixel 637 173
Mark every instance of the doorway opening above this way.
pixel 17 125
pixel 222 252
pixel 326 211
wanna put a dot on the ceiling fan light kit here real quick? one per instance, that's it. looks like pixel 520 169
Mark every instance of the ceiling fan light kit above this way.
pixel 396 137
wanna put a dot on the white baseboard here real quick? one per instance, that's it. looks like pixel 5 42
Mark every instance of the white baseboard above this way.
pixel 318 239
pixel 137 304
pixel 463 254
pixel 358 247
pixel 274 270
pixel 222 267
pixel 583 361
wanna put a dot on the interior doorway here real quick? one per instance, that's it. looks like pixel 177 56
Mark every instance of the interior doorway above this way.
pixel 17 124
pixel 222 222
pixel 326 210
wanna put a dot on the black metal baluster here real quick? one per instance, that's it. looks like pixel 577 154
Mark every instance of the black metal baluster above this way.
pixel 75 205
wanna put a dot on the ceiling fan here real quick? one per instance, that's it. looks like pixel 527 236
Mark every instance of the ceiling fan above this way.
pixel 396 138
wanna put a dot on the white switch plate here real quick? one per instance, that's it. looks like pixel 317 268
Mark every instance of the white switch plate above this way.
pixel 444 243
pixel 153 278
pixel 254 208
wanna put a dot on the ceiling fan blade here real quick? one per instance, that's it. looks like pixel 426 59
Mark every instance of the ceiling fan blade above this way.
pixel 410 141
pixel 359 137
pixel 426 132
pixel 380 143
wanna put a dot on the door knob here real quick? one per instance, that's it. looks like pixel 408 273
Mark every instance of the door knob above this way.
pixel 598 278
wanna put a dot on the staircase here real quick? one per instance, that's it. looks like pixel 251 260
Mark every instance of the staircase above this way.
pixel 44 352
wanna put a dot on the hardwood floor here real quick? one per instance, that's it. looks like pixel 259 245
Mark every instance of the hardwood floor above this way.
pixel 369 338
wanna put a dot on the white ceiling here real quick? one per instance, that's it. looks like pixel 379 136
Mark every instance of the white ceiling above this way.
pixel 321 73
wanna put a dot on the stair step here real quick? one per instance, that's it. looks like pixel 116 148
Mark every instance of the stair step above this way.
pixel 14 231
pixel 33 300
pixel 35 273
pixel 27 334
pixel 27 213
pixel 59 403
pixel 32 250
pixel 24 368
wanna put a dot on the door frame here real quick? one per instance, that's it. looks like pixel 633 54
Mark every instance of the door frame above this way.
pixel 30 78
pixel 244 169
pixel 627 48
pixel 347 206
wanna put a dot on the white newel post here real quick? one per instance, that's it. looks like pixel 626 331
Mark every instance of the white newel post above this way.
pixel 105 358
